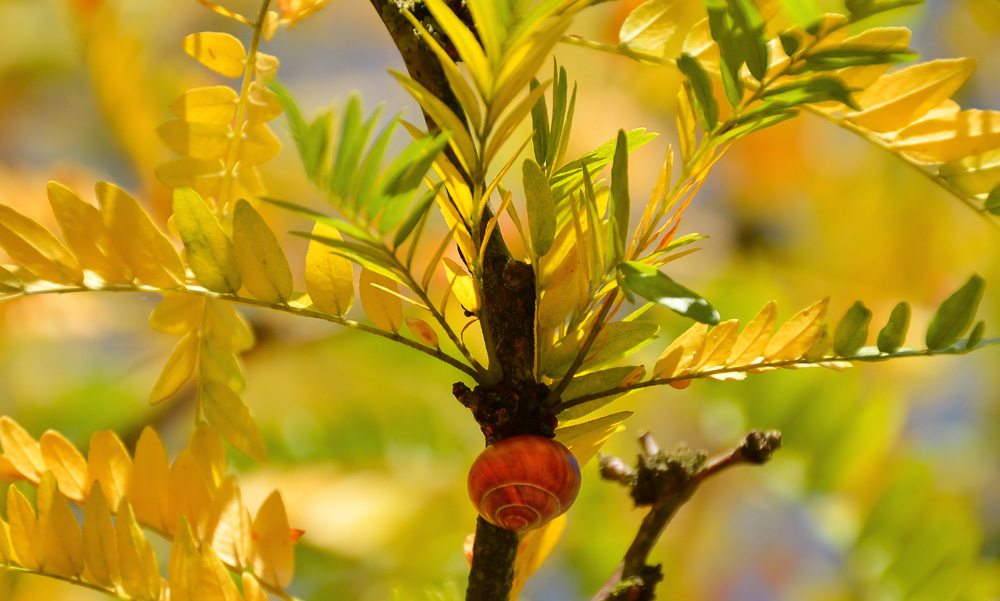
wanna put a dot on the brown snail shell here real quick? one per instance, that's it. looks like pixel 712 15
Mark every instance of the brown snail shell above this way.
pixel 523 482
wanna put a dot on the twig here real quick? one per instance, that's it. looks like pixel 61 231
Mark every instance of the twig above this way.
pixel 665 482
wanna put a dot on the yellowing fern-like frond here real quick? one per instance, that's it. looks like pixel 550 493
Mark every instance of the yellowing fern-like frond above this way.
pixel 191 503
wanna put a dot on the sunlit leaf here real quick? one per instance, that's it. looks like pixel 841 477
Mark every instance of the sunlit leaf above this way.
pixel 178 369
pixel 220 52
pixel 655 286
pixel 950 138
pixel 67 465
pixel 99 546
pixel 329 277
pixel 273 547
pixel 37 249
pixel 143 247
pixel 262 263
pixel 212 104
pixel 86 234
pixel 798 334
pixel 231 418
pixel 60 532
pixel 148 482
pixel 651 24
pixel 615 340
pixel 209 249
pixel 383 308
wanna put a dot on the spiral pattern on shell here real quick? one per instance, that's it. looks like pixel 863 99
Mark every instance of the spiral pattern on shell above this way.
pixel 523 482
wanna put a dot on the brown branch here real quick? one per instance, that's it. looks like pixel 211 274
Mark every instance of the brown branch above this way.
pixel 665 482
pixel 512 402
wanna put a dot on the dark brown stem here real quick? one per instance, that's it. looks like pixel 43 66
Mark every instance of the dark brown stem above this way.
pixel 511 402
pixel 665 482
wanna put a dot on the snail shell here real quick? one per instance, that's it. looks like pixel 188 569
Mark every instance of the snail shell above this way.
pixel 523 482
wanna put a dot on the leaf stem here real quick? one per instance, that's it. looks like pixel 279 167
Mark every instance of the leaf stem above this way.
pixel 862 357
pixel 252 302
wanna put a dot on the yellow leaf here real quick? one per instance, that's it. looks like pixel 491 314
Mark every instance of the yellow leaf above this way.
pixel 205 141
pixel 259 145
pixel 221 366
pixel 900 98
pixel 99 545
pixel 184 569
pixel 60 532
pixel 109 463
pixel 86 234
pixel 21 449
pixel 251 589
pixel 261 261
pixel 203 175
pixel 67 465
pixel 951 138
pixel 584 440
pixel 209 250
pixel 264 105
pixel 229 329
pixel 146 251
pixel 231 418
pixel 273 547
pixel 215 583
pixel 6 551
pixel 651 25
pixel 25 538
pixel 798 334
pixel 207 451
pixel 190 496
pixel 177 314
pixel 220 52
pixel 423 331
pixel 180 365
pixel 266 66
pixel 974 175
pixel 149 481
pixel 754 338
pixel 683 352
pixel 329 277
pixel 462 285
pixel 9 282
pixel 532 551
pixel 231 527
pixel 139 573
pixel 719 344
pixel 383 308
pixel 36 249
pixel 212 104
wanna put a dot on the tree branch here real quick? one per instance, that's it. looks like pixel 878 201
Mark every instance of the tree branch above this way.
pixel 665 482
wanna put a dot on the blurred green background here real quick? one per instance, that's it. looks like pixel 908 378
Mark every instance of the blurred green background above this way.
pixel 888 487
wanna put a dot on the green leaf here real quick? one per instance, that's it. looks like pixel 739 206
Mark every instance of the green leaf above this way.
pixel 891 337
pixel 372 163
pixel 261 261
pixel 570 176
pixel 541 209
pixel 816 89
pixel 790 42
pixel 860 9
pixel 540 123
pixel 655 286
pixel 723 29
pixel 342 226
pixel 419 210
pixel 848 56
pixel 615 340
pixel 852 331
pixel 805 13
pixel 561 119
pixel 751 36
pixel 312 139
pixel 976 335
pixel 955 314
pixel 701 85
pixel 620 205
pixel 762 122
pixel 209 250
pixel 993 201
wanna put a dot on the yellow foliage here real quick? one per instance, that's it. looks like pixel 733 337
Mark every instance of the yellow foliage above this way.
pixel 182 502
